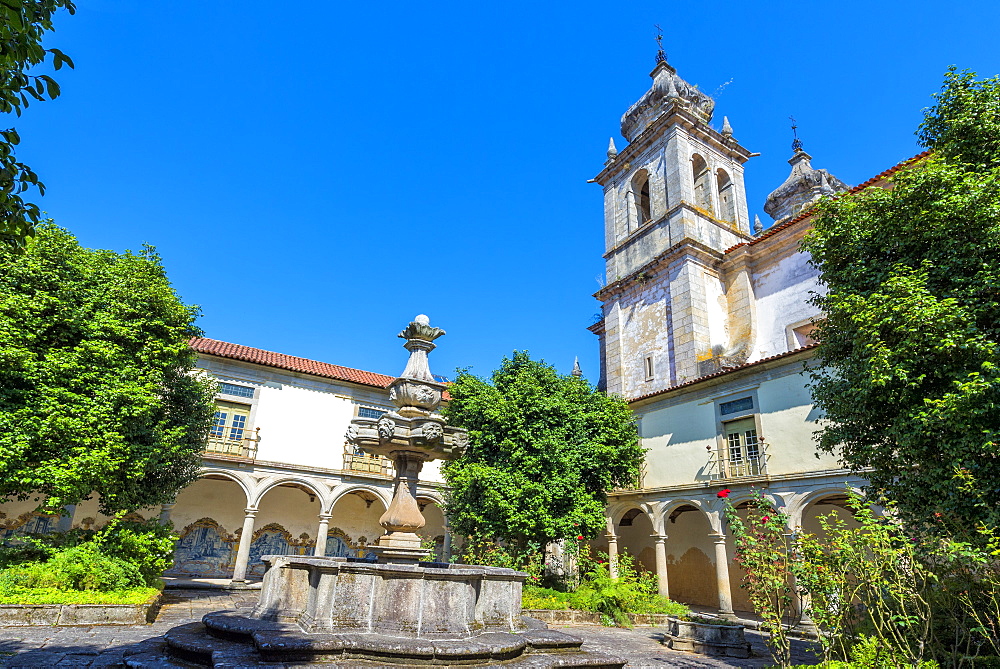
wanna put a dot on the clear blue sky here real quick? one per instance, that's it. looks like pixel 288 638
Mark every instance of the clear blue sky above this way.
pixel 316 174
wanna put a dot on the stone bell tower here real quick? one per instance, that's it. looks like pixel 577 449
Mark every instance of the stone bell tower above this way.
pixel 674 201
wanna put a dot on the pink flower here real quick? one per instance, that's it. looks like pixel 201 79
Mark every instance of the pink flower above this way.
pixel 724 493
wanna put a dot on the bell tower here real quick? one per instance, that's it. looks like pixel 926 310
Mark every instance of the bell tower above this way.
pixel 674 201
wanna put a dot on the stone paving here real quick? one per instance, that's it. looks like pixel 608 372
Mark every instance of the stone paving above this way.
pixel 108 646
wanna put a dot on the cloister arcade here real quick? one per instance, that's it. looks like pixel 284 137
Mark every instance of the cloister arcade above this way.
pixel 282 515
pixel 686 542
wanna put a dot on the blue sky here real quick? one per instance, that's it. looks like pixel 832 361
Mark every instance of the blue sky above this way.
pixel 315 175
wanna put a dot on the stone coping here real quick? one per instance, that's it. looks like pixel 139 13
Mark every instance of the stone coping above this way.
pixel 570 616
pixel 442 570
pixel 27 615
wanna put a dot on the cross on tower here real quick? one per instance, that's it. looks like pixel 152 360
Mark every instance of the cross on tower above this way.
pixel 796 142
pixel 661 56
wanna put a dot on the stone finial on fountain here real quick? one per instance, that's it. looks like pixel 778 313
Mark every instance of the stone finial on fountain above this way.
pixel 409 436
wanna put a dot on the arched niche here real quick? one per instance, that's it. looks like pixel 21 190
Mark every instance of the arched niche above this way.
pixel 702 183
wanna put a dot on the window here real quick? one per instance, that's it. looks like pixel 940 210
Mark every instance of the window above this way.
pixel 369 412
pixel 647 364
pixel 743 453
pixel 702 179
pixel 726 204
pixel 802 336
pixel 230 430
pixel 734 406
pixel 233 389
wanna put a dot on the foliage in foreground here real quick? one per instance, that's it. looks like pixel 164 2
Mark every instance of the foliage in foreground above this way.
pixel 125 557
pixel 23 24
pixel 544 450
pixel 911 342
pixel 55 596
pixel 874 589
pixel 96 386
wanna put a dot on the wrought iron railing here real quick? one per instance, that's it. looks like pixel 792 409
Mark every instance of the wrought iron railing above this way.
pixel 241 443
pixel 724 465
pixel 358 461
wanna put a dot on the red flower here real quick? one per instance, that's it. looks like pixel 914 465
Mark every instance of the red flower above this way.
pixel 765 519
pixel 724 493
pixel 580 538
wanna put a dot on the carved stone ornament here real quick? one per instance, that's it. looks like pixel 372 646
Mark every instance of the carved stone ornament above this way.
pixel 667 90
pixel 352 432
pixel 386 428
pixel 804 186
pixel 460 440
pixel 432 431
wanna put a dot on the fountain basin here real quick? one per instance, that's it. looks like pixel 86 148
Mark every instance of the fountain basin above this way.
pixel 426 600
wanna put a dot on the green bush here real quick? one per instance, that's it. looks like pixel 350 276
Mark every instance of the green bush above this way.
pixel 55 596
pixel 82 567
pixel 148 546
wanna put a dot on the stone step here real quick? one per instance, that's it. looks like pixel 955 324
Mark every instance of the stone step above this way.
pixel 154 660
pixel 193 643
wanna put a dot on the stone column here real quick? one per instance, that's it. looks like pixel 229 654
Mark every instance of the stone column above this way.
pixel 722 576
pixel 613 555
pixel 321 532
pixel 243 550
pixel 165 510
pixel 662 584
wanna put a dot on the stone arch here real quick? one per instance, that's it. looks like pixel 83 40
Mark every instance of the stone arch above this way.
pixel 690 551
pixel 339 493
pixel 642 203
pixel 270 484
pixel 247 486
pixel 702 182
pixel 802 502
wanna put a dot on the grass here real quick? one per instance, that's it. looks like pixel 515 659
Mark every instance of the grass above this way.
pixel 56 596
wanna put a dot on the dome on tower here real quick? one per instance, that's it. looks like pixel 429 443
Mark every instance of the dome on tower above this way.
pixel 803 186
pixel 668 89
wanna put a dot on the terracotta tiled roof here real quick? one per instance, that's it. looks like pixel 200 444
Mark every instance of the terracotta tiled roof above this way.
pixel 812 210
pixel 289 362
pixel 724 372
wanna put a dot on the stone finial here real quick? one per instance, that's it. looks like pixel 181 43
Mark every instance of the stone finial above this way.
pixel 612 149
pixel 577 372
pixel 667 92
pixel 758 227
pixel 803 186
pixel 419 336
pixel 727 130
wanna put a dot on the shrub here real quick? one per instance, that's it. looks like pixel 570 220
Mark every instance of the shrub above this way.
pixel 82 567
pixel 148 546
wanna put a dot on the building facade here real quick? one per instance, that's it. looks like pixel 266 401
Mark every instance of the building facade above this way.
pixel 705 329
pixel 277 469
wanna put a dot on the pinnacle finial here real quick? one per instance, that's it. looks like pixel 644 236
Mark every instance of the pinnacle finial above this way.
pixel 577 372
pixel 796 142
pixel 727 130
pixel 612 149
pixel 661 55
pixel 758 227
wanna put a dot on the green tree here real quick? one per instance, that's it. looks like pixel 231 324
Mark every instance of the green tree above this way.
pixel 23 24
pixel 544 449
pixel 911 341
pixel 97 392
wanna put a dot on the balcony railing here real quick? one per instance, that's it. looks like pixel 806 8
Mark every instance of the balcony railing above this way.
pixel 357 461
pixel 241 443
pixel 743 465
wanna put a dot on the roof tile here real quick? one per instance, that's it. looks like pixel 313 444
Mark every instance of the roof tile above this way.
pixel 289 362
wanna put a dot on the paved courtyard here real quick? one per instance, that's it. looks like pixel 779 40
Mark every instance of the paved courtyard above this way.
pixel 109 646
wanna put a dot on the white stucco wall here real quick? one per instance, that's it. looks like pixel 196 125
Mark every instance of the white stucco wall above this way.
pixel 782 288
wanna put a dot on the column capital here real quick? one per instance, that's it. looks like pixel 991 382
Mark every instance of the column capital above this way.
pixel 660 537
pixel 168 505
pixel 717 537
pixel 325 516
pixel 251 513
pixel 611 537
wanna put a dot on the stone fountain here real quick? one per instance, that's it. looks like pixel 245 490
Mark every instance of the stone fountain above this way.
pixel 397 609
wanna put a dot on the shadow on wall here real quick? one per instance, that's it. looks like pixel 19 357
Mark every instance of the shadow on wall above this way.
pixel 692 578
